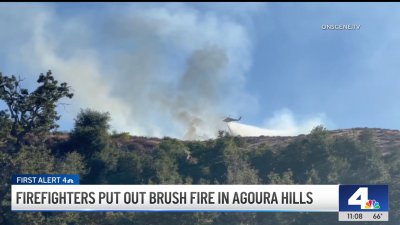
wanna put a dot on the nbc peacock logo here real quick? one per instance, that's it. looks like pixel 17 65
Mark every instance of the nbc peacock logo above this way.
pixel 372 204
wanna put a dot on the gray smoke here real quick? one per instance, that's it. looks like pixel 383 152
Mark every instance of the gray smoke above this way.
pixel 169 70
pixel 199 91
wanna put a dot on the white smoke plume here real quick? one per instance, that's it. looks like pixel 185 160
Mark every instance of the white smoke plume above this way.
pixel 160 70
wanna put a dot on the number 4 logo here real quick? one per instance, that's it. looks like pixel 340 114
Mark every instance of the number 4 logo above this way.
pixel 360 197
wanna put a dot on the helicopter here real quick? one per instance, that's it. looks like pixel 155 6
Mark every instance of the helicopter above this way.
pixel 230 119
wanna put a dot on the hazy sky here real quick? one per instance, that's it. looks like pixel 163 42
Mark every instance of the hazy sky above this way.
pixel 179 69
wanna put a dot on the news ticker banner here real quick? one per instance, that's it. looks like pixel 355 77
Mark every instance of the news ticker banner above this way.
pixel 62 192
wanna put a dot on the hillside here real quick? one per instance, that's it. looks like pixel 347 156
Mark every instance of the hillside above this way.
pixel 384 139
pixel 345 156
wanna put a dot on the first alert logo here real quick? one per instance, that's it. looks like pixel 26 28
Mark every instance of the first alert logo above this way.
pixel 40 180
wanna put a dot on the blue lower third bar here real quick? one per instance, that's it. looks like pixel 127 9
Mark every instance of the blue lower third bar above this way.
pixel 42 179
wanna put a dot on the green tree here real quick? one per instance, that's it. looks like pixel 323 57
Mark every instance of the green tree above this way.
pixel 236 166
pixel 90 133
pixel 170 155
pixel 5 125
pixel 393 161
pixel 32 160
pixel 262 159
pixel 71 163
pixel 285 178
pixel 31 112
